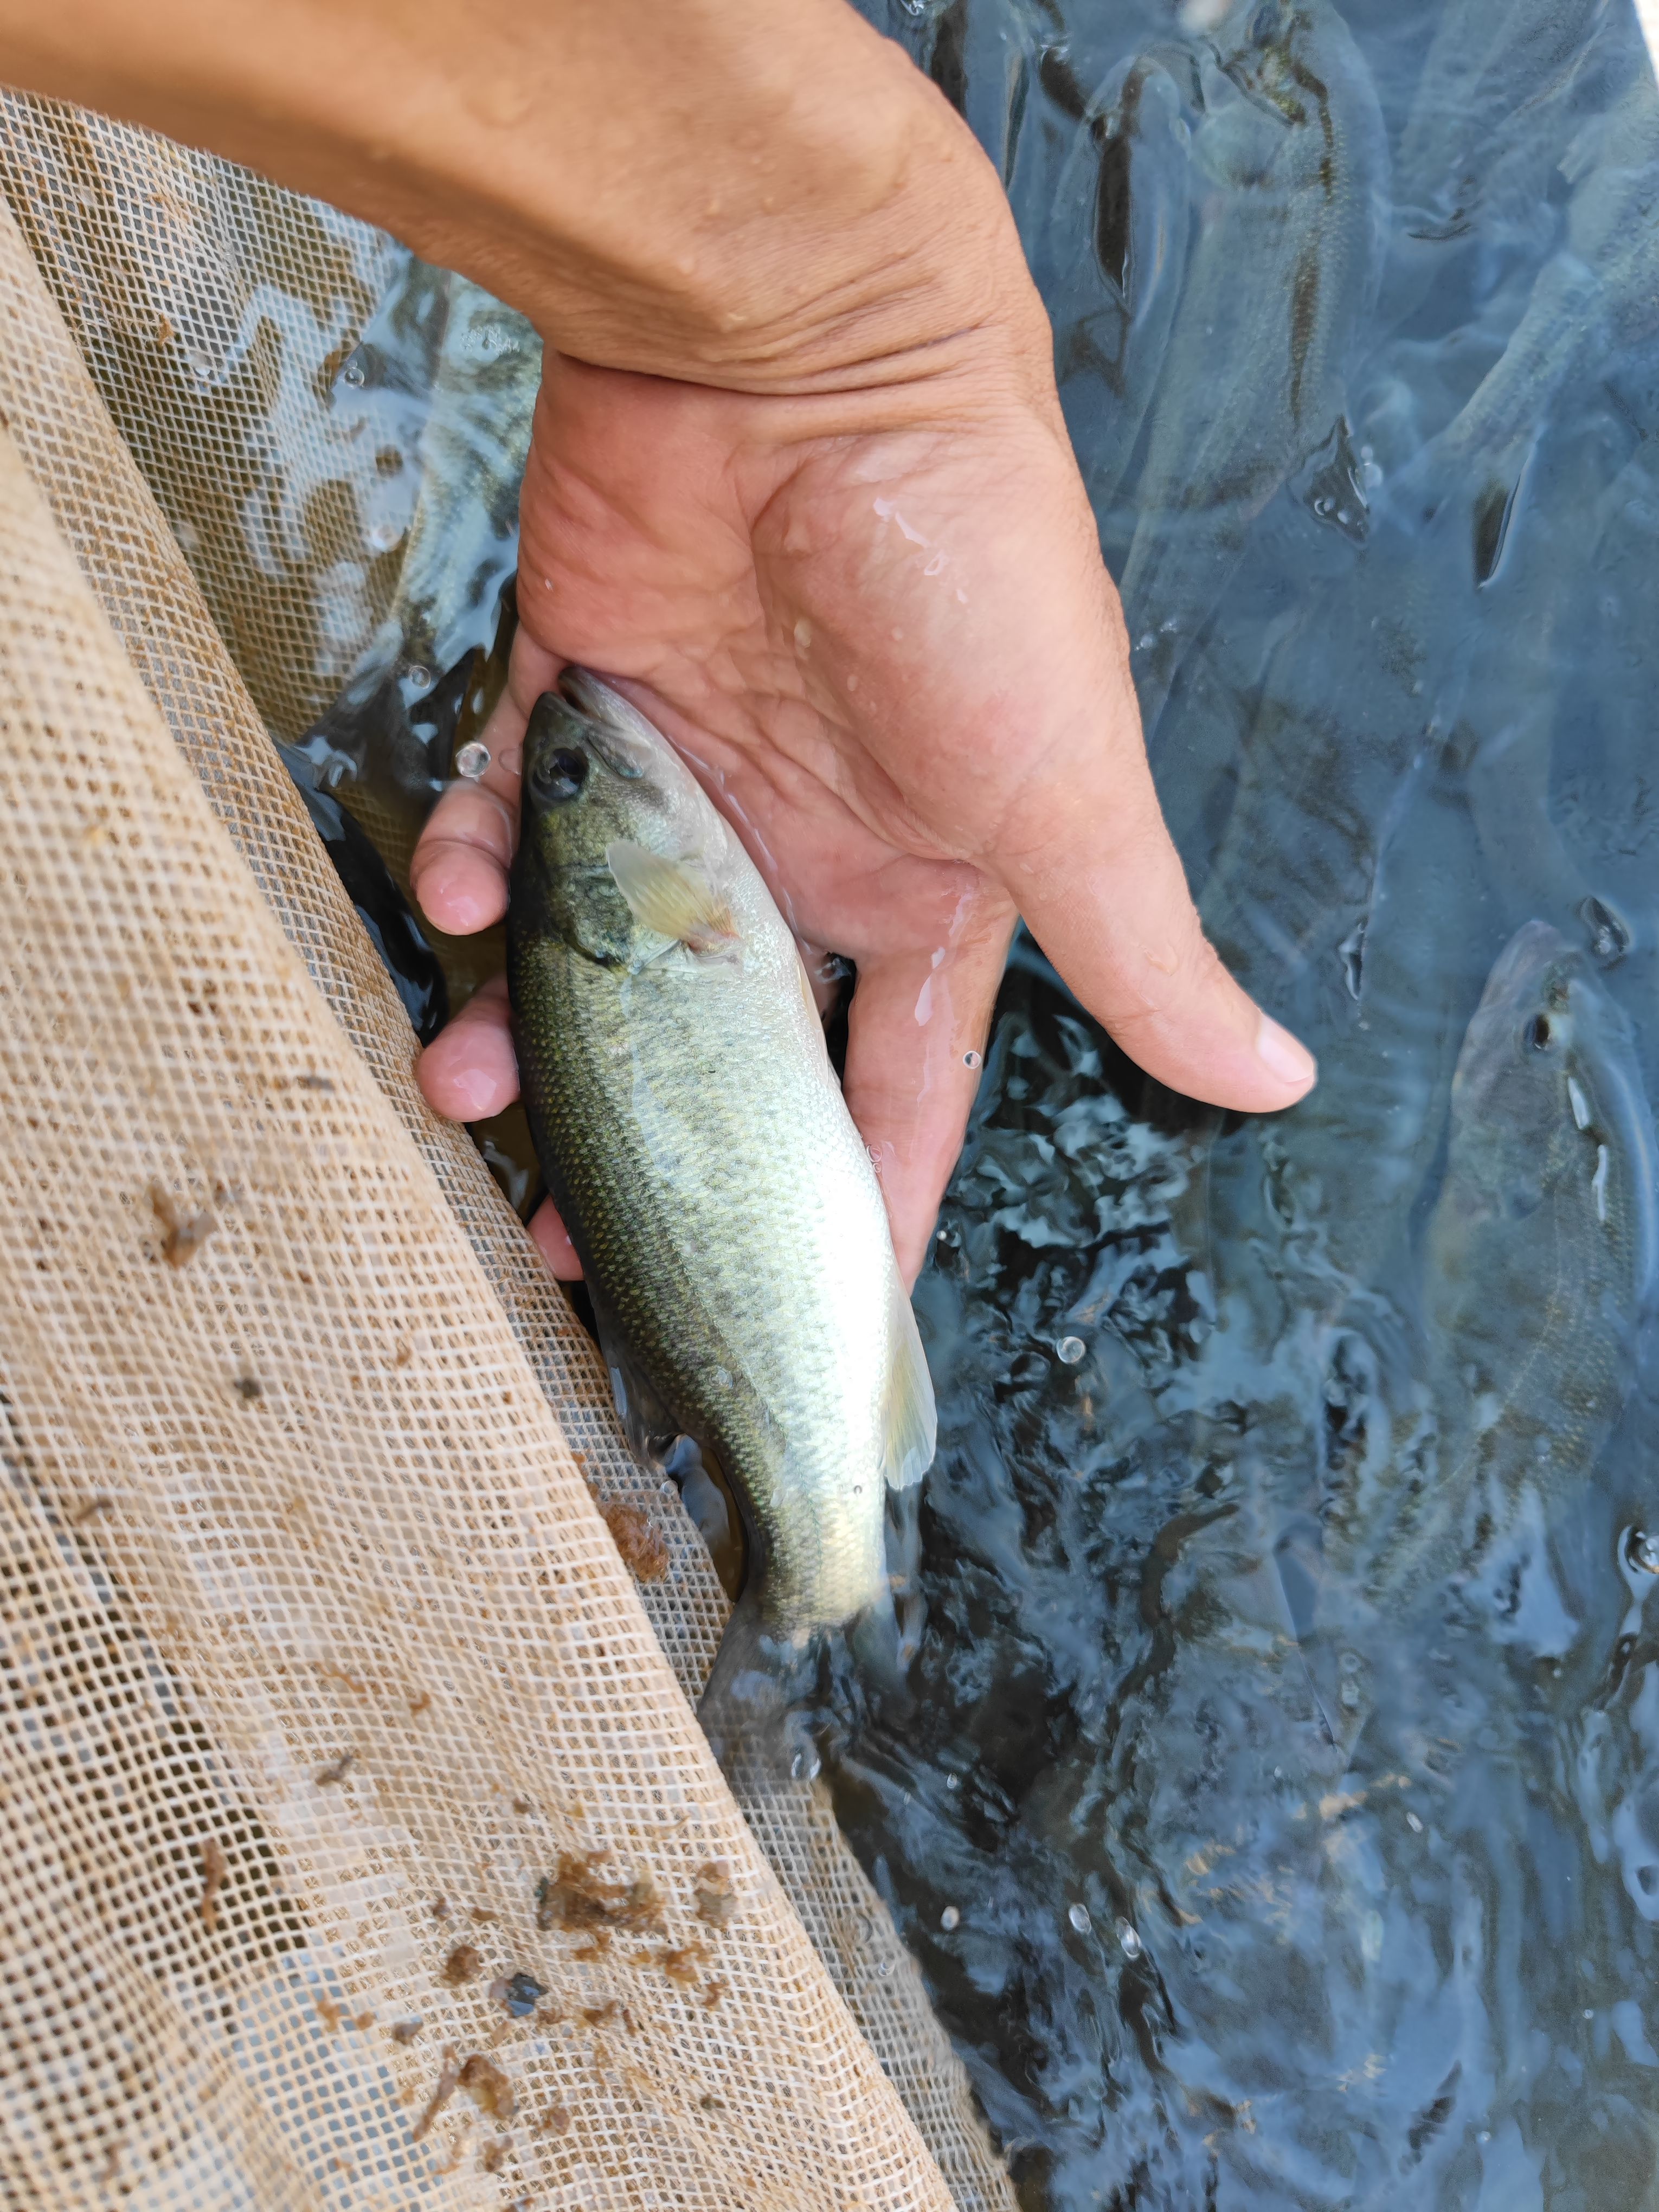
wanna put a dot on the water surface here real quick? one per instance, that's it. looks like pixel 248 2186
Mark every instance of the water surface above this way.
pixel 1275 1808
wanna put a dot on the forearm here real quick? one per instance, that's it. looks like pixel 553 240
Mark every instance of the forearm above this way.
pixel 714 189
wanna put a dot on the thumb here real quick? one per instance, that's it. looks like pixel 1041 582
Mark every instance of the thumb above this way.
pixel 1102 889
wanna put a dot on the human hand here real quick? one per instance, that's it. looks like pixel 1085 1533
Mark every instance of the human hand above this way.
pixel 877 626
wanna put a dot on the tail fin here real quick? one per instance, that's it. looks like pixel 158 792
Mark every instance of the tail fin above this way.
pixel 753 1709
pixel 768 1687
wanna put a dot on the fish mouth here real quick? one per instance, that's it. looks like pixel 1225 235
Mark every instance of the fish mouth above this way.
pixel 622 737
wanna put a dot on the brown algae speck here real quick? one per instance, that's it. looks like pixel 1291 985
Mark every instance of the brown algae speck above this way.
pixel 338 1769
pixel 214 1870
pixel 684 1965
pixel 445 2089
pixel 404 2031
pixel 581 1896
pixel 183 1235
pixel 488 2086
pixel 462 1966
pixel 717 1900
pixel 643 1546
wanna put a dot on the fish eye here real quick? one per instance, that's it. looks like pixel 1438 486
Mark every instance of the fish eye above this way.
pixel 559 775
pixel 1539 1033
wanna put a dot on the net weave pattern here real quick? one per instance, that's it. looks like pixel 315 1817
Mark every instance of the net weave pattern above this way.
pixel 311 1622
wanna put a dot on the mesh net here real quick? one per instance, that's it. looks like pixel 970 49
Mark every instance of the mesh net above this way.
pixel 332 1707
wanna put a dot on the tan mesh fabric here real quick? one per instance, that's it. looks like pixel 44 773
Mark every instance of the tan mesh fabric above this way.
pixel 283 1484
pixel 145 1761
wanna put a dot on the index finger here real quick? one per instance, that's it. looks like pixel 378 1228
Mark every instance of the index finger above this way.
pixel 459 870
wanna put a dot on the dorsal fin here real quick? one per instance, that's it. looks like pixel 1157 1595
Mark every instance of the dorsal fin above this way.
pixel 909 1424
pixel 673 898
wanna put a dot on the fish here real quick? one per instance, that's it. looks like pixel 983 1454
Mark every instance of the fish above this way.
pixel 1538 1263
pixel 696 1144
pixel 1290 172
pixel 1491 82
pixel 1111 262
pixel 1596 296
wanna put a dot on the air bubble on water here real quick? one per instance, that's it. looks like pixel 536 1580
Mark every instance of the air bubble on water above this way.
pixel 1146 641
pixel 949 1919
pixel 1079 1916
pixel 1070 1349
pixel 953 1782
pixel 420 679
pixel 1484 2135
pixel 1130 1941
pixel 972 1060
pixel 472 760
pixel 1414 1824
pixel 1642 1552
pixel 354 372
pixel 884 1968
pixel 381 536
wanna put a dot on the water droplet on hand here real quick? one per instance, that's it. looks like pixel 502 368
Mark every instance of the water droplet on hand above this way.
pixel 1079 1916
pixel 972 1060
pixel 472 760
pixel 803 634
pixel 949 1919
pixel 1070 1349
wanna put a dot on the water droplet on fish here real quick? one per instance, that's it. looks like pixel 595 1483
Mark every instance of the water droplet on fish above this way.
pixel 420 679
pixel 1131 1942
pixel 1414 1824
pixel 354 372
pixel 1070 1349
pixel 1079 1916
pixel 972 1060
pixel 472 760
pixel 949 1919
pixel 1642 1552
pixel 803 634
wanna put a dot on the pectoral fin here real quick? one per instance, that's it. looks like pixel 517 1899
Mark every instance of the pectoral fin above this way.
pixel 909 1424
pixel 673 898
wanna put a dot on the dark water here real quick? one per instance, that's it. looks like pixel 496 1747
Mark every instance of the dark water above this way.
pixel 1276 1811
pixel 1274 1802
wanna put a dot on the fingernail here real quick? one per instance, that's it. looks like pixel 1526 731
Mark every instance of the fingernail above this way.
pixel 1286 1060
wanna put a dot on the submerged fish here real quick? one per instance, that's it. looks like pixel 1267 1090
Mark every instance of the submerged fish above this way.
pixel 696 1144
pixel 1540 1254
pixel 1289 170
